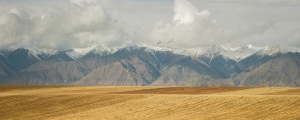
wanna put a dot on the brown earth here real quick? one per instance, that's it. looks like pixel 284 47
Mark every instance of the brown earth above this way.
pixel 185 90
pixel 66 102
pixel 287 92
pixel 4 88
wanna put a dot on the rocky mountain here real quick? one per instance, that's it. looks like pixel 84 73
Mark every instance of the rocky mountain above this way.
pixel 279 70
pixel 145 67
pixel 6 69
pixel 22 58
pixel 226 58
pixel 224 65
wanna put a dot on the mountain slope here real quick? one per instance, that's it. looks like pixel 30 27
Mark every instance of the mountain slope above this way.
pixel 184 71
pixel 22 58
pixel 57 72
pixel 144 66
pixel 230 51
pixel 158 66
pixel 225 58
pixel 5 69
pixel 127 72
pixel 260 57
pixel 283 70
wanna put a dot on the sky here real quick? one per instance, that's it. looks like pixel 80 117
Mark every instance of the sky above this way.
pixel 65 24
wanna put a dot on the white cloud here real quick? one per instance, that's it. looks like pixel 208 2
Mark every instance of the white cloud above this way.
pixel 295 38
pixel 60 28
pixel 84 2
pixel 186 23
pixel 190 28
pixel 13 27
pixel 185 12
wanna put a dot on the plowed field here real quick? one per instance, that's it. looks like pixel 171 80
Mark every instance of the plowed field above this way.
pixel 63 102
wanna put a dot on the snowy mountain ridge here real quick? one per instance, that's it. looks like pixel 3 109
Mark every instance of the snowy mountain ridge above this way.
pixel 231 52
pixel 228 51
pixel 75 54
pixel 271 51
pixel 194 52
pixel 6 51
pixel 151 65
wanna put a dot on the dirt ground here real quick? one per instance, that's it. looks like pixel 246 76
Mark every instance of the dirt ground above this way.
pixel 68 102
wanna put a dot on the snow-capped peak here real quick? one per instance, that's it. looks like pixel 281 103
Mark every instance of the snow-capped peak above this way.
pixel 103 49
pixel 156 48
pixel 7 51
pixel 229 47
pixel 291 48
pixel 83 51
pixel 271 51
pixel 231 52
pixel 194 52
pixel 100 49
pixel 228 51
pixel 47 52
pixel 75 54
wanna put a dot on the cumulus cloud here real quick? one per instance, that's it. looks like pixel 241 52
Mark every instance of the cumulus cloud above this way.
pixel 65 28
pixel 295 38
pixel 186 12
pixel 83 22
pixel 13 27
pixel 252 31
pixel 191 28
pixel 83 2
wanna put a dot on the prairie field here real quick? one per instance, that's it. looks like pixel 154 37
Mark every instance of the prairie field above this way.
pixel 140 103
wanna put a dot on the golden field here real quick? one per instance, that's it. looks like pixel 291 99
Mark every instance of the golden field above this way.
pixel 140 103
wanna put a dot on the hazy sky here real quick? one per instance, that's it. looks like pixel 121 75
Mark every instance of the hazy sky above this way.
pixel 64 24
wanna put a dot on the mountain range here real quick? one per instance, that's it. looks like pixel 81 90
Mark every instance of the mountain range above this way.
pixel 218 65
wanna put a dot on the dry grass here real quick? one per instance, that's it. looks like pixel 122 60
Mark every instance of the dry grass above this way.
pixel 185 90
pixel 287 92
pixel 23 102
pixel 4 88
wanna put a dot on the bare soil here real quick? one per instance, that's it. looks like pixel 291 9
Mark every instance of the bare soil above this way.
pixel 186 90
pixel 148 103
